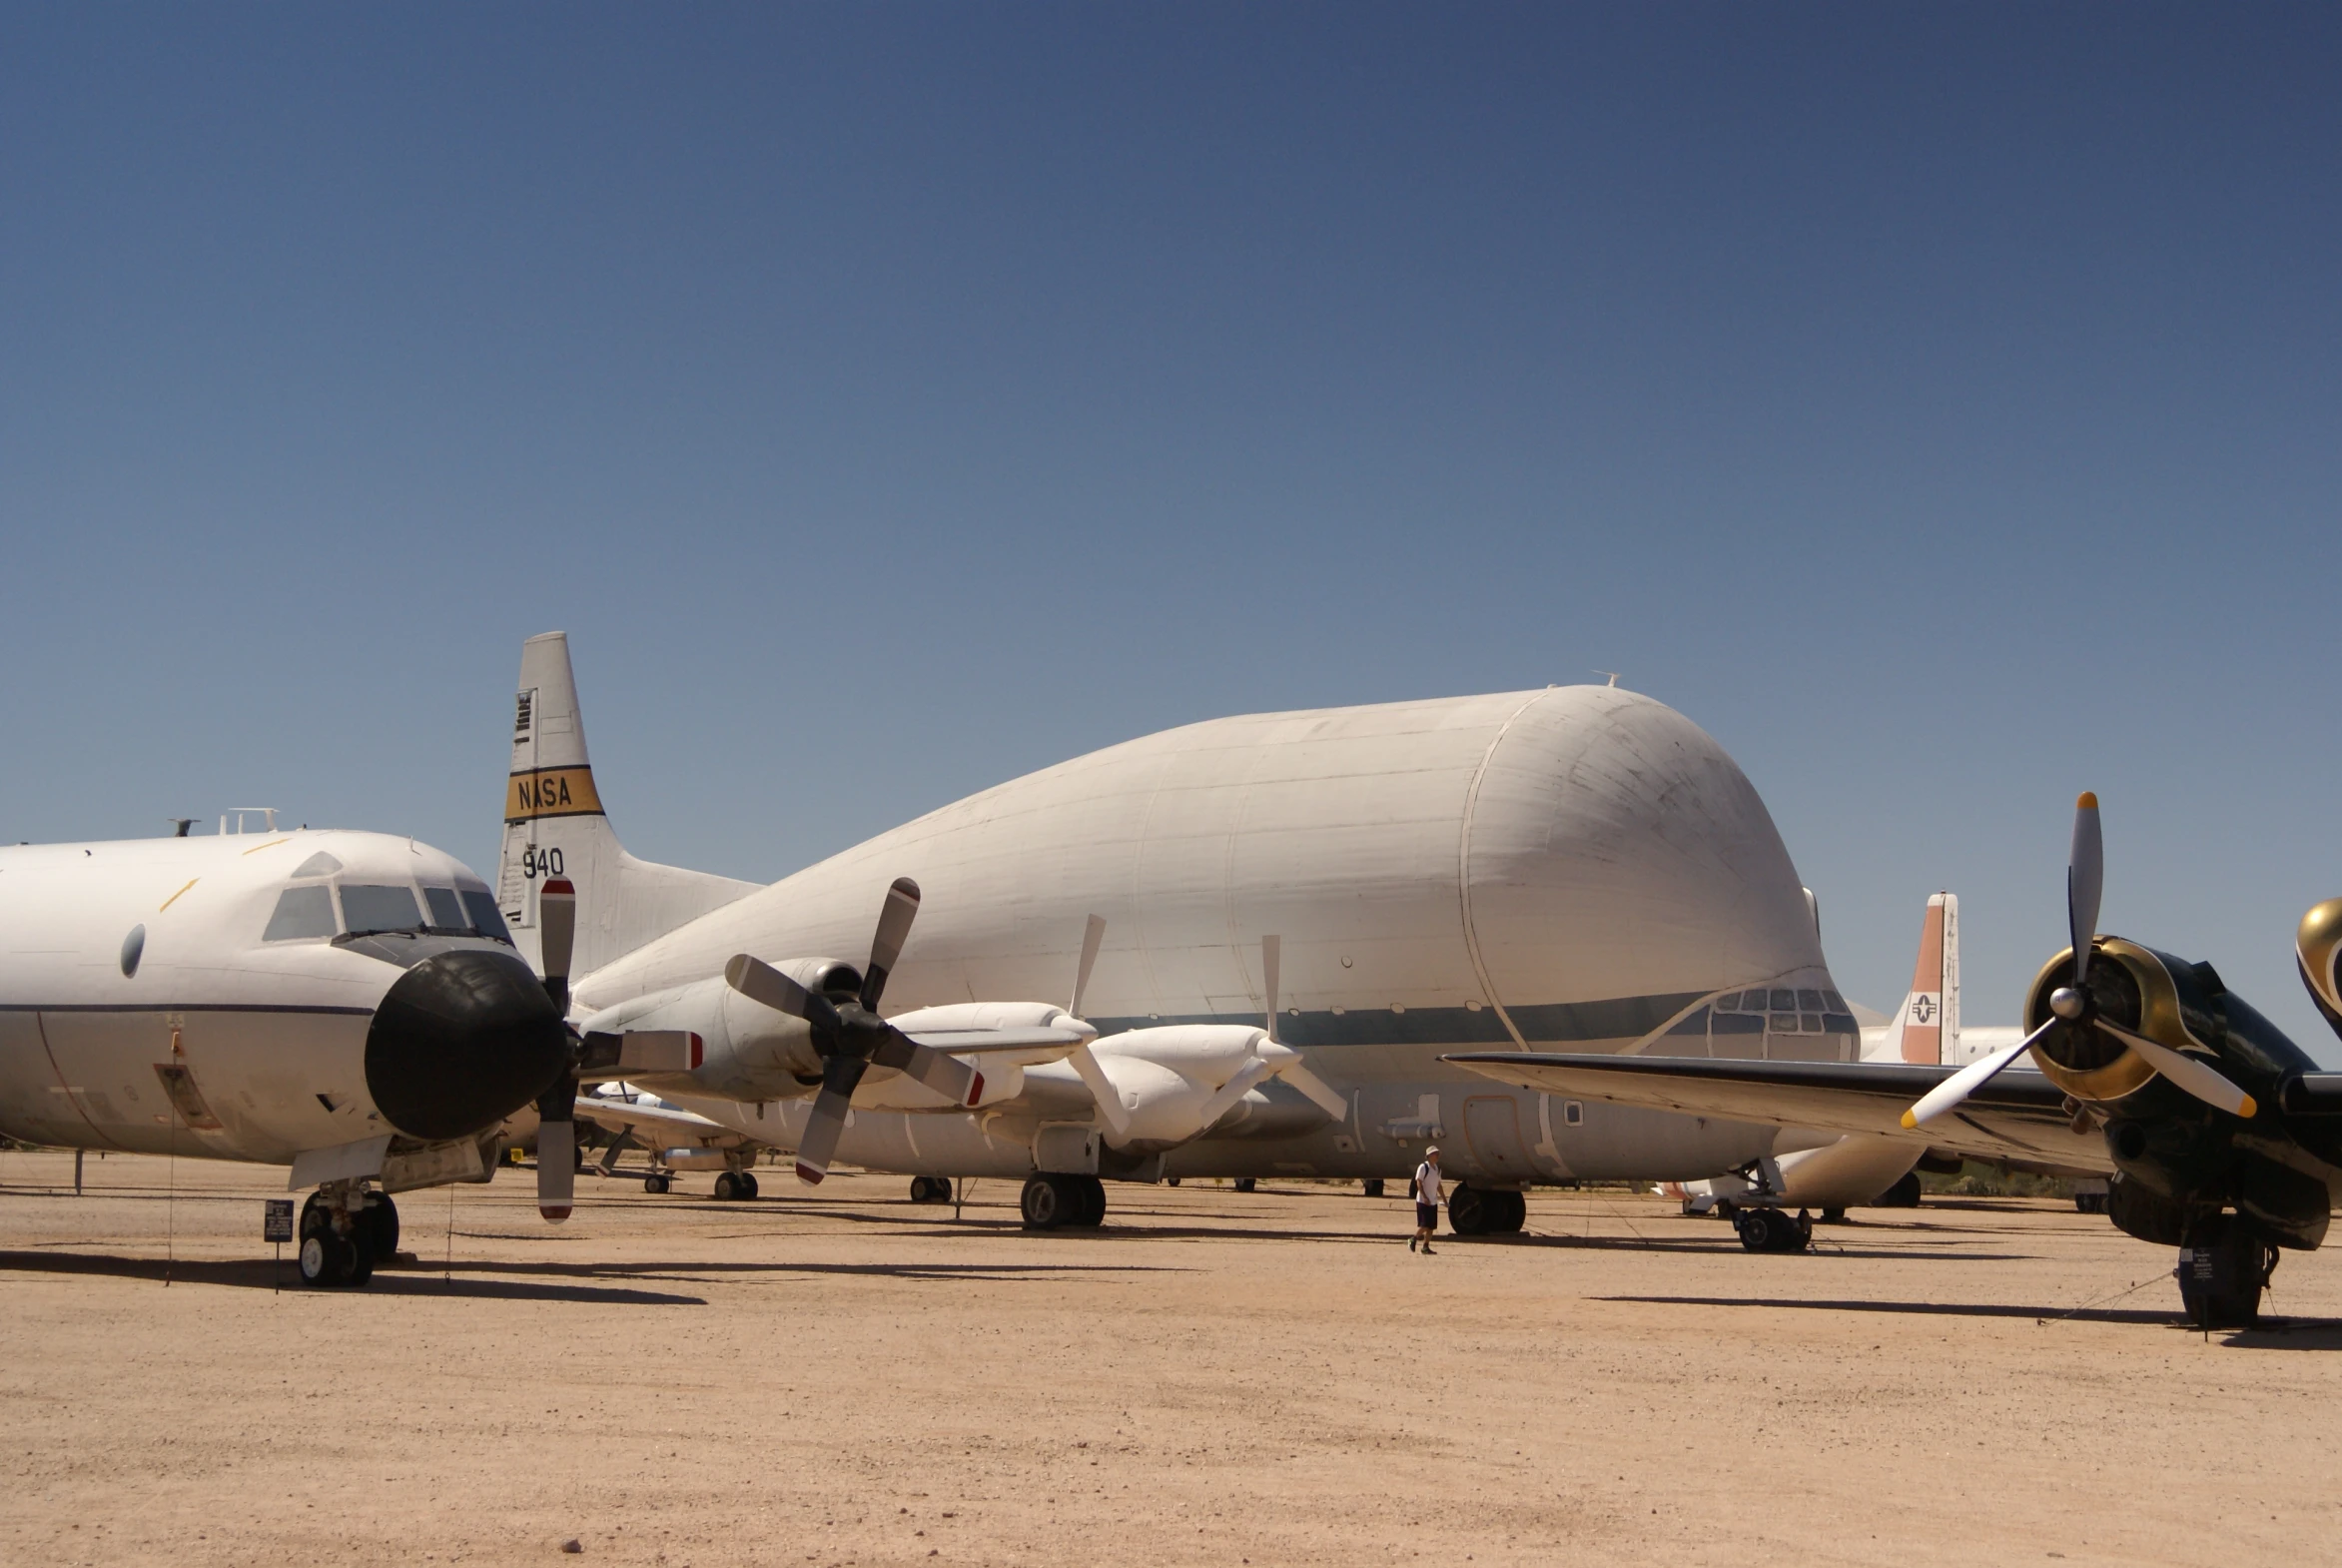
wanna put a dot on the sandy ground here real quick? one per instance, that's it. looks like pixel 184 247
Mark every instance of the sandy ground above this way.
pixel 1215 1377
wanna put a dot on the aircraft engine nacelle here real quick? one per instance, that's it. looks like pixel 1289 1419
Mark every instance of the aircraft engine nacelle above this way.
pixel 1177 1082
pixel 2150 993
pixel 749 1051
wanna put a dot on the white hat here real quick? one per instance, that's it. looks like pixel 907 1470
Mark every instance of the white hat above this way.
pixel 1432 1148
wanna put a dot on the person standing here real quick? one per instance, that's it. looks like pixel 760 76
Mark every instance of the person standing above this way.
pixel 1426 1201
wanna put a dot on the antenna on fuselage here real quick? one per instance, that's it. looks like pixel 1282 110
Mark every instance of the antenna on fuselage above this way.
pixel 1613 674
pixel 180 825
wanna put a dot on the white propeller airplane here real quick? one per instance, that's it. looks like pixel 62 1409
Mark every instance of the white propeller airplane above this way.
pixel 1278 925
pixel 346 1003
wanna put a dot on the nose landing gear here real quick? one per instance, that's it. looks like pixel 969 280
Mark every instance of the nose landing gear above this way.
pixel 343 1233
pixel 1054 1203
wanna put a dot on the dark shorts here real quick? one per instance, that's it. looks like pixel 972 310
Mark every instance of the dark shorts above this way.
pixel 1426 1216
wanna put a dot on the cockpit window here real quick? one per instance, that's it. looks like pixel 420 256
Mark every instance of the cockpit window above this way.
pixel 447 914
pixel 486 919
pixel 301 912
pixel 380 907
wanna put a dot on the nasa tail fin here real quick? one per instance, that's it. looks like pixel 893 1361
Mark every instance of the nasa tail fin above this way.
pixel 555 827
pixel 1925 1028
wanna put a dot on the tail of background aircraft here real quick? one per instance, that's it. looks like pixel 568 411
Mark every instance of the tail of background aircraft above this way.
pixel 1925 1028
pixel 555 827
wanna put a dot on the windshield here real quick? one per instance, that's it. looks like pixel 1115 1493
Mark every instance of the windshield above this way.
pixel 301 912
pixel 486 919
pixel 380 907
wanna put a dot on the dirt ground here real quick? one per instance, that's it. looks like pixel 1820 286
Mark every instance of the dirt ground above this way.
pixel 1215 1377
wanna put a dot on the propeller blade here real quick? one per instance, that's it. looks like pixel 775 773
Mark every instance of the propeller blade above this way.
pixel 2085 879
pixel 556 1170
pixel 1093 937
pixel 1272 957
pixel 948 1075
pixel 1969 1079
pixel 893 928
pixel 2189 1072
pixel 1320 1093
pixel 1102 1089
pixel 840 1076
pixel 758 980
pixel 1224 1099
pixel 557 923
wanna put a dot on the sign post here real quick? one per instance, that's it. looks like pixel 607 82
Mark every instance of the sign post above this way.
pixel 277 1230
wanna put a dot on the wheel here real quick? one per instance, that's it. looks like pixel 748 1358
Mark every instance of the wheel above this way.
pixel 727 1187
pixel 2222 1268
pixel 1469 1210
pixel 1171 1181
pixel 930 1190
pixel 1246 1184
pixel 1834 1217
pixel 656 1182
pixel 2089 1203
pixel 1091 1210
pixel 1516 1214
pixel 380 1224
pixel 1043 1204
pixel 1771 1231
pixel 325 1258
pixel 1372 1186
pixel 747 1184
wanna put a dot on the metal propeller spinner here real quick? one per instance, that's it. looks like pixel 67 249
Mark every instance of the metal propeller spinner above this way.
pixel 2075 1005
pixel 849 1035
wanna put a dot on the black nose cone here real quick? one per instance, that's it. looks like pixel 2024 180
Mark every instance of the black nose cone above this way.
pixel 463 1040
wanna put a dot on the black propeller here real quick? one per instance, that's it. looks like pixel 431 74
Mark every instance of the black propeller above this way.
pixel 850 1036
pixel 556 1108
pixel 2072 1005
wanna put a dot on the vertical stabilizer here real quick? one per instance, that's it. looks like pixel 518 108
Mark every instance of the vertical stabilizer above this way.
pixel 1925 1029
pixel 554 826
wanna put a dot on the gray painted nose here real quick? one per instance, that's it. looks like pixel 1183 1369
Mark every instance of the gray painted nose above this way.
pixel 461 1041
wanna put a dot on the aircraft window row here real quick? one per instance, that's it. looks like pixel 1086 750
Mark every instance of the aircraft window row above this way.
pixel 1781 999
pixel 308 911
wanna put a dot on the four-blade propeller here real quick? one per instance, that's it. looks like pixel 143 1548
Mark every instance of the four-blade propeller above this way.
pixel 851 1037
pixel 2075 1007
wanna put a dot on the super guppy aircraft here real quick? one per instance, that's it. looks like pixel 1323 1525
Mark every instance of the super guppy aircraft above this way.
pixel 1576 868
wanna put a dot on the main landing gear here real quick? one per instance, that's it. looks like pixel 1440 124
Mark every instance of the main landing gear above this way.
pixel 2223 1266
pixel 1765 1229
pixel 1476 1210
pixel 1054 1203
pixel 735 1186
pixel 345 1234
pixel 930 1190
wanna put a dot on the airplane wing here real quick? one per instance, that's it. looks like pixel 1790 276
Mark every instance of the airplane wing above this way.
pixel 2016 1116
pixel 962 1042
pixel 662 1123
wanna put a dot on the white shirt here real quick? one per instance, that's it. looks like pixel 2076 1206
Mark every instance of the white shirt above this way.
pixel 1427 1183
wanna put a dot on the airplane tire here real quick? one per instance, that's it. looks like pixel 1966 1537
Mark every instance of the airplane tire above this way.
pixel 1834 1217
pixel 1468 1210
pixel 1246 1184
pixel 2089 1203
pixel 1044 1205
pixel 1091 1211
pixel 2221 1271
pixel 655 1183
pixel 1771 1231
pixel 325 1258
pixel 379 1224
pixel 727 1187
pixel 748 1183
pixel 930 1190
pixel 1371 1187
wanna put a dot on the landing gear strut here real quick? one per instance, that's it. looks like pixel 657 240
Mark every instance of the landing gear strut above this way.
pixel 1054 1203
pixel 2222 1267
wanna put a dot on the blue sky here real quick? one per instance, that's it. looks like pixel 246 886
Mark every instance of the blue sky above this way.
pixel 1938 405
